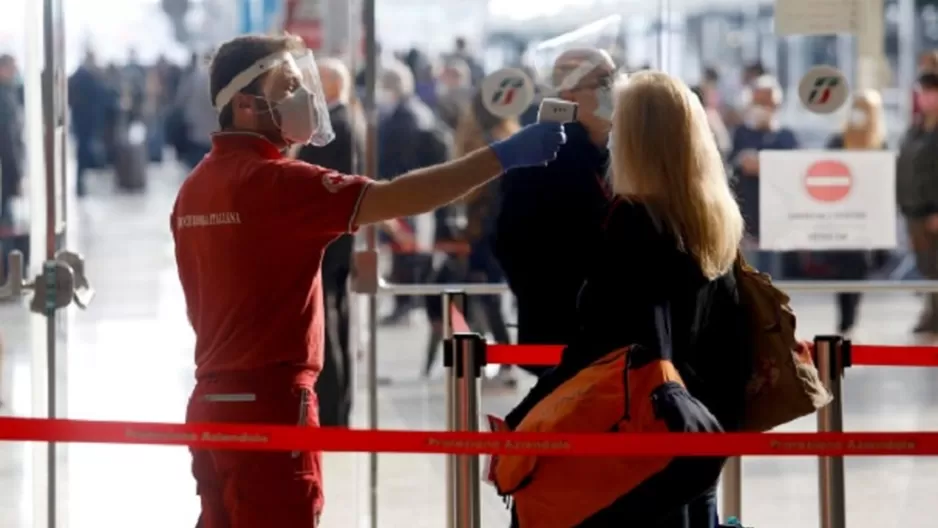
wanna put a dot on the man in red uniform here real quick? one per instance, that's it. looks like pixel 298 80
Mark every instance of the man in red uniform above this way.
pixel 250 228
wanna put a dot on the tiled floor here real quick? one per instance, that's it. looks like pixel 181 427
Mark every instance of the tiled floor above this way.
pixel 129 359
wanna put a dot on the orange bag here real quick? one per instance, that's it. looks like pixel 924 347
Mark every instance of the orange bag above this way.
pixel 627 391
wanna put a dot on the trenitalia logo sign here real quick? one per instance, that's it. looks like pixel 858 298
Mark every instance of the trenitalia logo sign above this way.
pixel 823 87
pixel 506 91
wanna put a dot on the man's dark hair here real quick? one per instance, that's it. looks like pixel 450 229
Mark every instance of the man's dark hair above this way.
pixel 710 74
pixel 460 44
pixel 6 60
pixel 237 55
pixel 928 81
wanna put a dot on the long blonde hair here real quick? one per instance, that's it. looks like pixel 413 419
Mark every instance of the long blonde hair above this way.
pixel 664 156
pixel 872 134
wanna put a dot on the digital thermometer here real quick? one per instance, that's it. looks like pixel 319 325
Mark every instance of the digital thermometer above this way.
pixel 556 111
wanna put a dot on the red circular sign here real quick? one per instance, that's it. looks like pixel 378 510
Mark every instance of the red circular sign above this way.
pixel 828 181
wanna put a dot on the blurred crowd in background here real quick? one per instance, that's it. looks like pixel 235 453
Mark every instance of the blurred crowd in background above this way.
pixel 127 118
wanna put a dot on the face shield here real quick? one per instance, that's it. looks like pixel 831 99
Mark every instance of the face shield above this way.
pixel 581 60
pixel 293 93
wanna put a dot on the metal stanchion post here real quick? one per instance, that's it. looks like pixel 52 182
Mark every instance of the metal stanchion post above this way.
pixel 450 299
pixel 468 351
pixel 830 419
pixel 371 170
pixel 732 480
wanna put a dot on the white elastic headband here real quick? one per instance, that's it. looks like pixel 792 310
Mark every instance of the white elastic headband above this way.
pixel 576 75
pixel 247 76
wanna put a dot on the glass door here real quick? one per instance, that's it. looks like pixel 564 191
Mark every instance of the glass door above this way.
pixel 45 277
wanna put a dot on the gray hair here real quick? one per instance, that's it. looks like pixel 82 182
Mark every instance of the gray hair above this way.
pixel 764 82
pixel 340 70
pixel 397 78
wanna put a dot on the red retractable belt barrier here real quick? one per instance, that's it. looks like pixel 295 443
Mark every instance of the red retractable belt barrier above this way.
pixel 860 355
pixel 541 355
pixel 549 355
pixel 286 438
pixel 893 356
pixel 403 241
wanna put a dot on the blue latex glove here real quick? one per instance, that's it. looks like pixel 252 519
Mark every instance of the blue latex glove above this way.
pixel 531 146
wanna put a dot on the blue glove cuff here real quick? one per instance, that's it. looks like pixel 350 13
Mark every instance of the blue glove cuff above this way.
pixel 502 150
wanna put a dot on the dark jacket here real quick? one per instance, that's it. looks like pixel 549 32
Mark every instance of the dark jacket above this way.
pixel 745 186
pixel 548 226
pixel 917 173
pixel 87 92
pixel 411 137
pixel 344 154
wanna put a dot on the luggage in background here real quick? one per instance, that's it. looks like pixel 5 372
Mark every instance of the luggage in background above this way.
pixel 131 158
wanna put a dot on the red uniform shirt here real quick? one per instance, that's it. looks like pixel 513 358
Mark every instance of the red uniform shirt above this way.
pixel 250 228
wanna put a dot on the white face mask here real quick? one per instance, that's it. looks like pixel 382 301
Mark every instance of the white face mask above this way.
pixel 858 118
pixel 758 117
pixel 294 116
pixel 384 98
pixel 605 105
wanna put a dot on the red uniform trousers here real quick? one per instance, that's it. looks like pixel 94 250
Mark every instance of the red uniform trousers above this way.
pixel 257 489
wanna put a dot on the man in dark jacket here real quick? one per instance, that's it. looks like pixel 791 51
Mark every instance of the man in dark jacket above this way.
pixel 345 155
pixel 551 217
pixel 411 137
pixel 917 192
pixel 86 97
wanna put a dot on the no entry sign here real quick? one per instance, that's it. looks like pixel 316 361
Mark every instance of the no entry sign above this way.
pixel 828 181
pixel 826 200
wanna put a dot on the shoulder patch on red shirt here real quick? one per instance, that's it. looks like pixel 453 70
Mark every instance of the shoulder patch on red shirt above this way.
pixel 335 181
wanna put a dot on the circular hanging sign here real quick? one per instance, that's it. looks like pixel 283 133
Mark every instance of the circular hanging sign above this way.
pixel 823 90
pixel 507 92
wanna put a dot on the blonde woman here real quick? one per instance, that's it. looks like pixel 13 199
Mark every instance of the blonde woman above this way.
pixel 864 129
pixel 664 272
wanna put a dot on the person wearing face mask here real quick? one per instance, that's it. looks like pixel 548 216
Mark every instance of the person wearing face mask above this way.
pixel 455 91
pixel 863 130
pixel 346 154
pixel 549 218
pixel 410 137
pixel 250 226
pixel 917 192
pixel 760 131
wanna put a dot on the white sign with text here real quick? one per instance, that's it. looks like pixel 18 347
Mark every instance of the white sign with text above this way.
pixel 827 200
pixel 817 17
